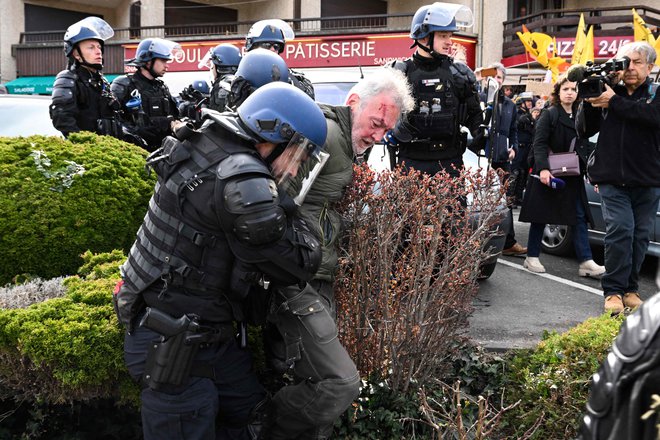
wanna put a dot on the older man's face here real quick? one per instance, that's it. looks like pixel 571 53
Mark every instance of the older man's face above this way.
pixel 635 75
pixel 371 120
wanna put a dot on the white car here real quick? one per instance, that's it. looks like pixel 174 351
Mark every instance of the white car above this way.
pixel 26 115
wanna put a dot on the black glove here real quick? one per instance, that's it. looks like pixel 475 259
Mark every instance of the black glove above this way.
pixel 479 140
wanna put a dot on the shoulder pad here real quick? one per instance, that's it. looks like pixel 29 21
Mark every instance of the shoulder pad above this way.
pixel 460 69
pixel 120 87
pixel 400 65
pixel 241 163
pixel 64 86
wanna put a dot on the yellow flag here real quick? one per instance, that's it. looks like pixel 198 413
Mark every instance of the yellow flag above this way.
pixel 588 51
pixel 642 33
pixel 543 43
pixel 580 41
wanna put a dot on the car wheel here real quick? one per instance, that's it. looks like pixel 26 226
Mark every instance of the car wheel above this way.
pixel 486 271
pixel 557 239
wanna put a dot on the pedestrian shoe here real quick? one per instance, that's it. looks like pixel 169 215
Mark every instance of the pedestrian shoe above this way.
pixel 589 268
pixel 613 304
pixel 533 264
pixel 632 300
pixel 514 250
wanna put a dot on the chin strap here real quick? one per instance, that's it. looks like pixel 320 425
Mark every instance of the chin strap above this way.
pixel 429 48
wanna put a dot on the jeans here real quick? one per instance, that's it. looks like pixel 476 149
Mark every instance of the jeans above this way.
pixel 629 215
pixel 580 236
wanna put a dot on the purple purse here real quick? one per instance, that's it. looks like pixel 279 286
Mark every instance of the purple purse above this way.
pixel 564 164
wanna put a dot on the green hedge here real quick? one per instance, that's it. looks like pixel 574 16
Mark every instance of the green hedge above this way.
pixel 552 381
pixel 61 197
pixel 70 348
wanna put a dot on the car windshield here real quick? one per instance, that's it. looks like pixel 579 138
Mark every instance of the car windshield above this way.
pixel 332 93
pixel 25 116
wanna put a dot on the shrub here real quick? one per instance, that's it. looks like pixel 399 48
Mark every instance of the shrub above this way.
pixel 552 381
pixel 60 198
pixel 70 348
pixel 408 270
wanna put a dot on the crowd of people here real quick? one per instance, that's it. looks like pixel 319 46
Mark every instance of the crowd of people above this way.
pixel 228 242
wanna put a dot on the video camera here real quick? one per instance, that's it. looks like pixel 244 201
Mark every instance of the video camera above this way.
pixel 592 78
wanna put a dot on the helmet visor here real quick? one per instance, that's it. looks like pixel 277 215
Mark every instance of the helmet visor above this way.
pixel 298 151
pixel 282 25
pixel 442 14
pixel 95 24
pixel 165 49
pixel 206 62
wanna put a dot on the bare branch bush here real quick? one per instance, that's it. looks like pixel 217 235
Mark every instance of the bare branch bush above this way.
pixel 409 267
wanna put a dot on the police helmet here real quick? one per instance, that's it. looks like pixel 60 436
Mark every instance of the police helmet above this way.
pixel 262 66
pixel 439 17
pixel 90 28
pixel 153 48
pixel 225 55
pixel 269 31
pixel 279 113
pixel 201 86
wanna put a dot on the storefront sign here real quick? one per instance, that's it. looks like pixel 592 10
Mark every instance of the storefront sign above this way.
pixel 331 51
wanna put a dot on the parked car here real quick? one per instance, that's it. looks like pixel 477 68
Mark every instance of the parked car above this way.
pixel 558 239
pixel 25 115
pixel 334 93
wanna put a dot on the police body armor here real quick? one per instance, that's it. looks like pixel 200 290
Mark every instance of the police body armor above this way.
pixel 183 266
pixel 218 96
pixel 85 94
pixel 438 110
pixel 622 390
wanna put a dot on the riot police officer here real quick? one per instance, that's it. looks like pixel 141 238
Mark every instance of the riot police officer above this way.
pixel 192 99
pixel 216 213
pixel 154 108
pixel 429 138
pixel 81 95
pixel 258 67
pixel 222 61
pixel 272 34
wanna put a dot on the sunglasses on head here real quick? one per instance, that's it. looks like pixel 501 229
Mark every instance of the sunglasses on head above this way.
pixel 268 45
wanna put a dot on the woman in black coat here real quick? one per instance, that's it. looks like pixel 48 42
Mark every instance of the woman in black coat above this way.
pixel 555 130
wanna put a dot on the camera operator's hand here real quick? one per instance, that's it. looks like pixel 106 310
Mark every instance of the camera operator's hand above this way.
pixel 602 101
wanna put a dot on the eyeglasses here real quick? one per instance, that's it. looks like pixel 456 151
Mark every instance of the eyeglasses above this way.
pixel 279 47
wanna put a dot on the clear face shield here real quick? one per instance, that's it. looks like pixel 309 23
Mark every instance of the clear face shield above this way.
pixel 298 151
pixel 168 49
pixel 259 26
pixel 442 14
pixel 95 24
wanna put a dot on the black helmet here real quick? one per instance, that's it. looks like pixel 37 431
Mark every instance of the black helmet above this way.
pixel 269 31
pixel 90 28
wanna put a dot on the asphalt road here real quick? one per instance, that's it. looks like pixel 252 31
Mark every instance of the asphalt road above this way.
pixel 514 306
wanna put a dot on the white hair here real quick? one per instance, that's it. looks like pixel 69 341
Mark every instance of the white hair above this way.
pixel 385 80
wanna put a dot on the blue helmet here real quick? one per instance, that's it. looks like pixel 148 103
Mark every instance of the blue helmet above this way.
pixel 278 111
pixel 90 28
pixel 201 86
pixel 262 66
pixel 153 48
pixel 269 31
pixel 225 55
pixel 439 17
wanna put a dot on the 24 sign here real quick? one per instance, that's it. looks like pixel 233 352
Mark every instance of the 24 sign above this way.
pixel 604 47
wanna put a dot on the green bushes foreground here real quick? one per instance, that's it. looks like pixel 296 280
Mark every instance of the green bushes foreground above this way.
pixel 61 197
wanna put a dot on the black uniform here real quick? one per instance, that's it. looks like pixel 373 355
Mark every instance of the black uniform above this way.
pixel 82 101
pixel 215 221
pixel 152 120
pixel 218 96
pixel 520 166
pixel 446 98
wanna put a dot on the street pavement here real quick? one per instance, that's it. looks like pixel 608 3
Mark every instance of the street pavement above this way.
pixel 514 306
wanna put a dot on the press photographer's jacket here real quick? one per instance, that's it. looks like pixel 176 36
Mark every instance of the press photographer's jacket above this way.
pixel 628 149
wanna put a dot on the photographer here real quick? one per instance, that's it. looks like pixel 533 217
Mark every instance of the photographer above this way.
pixel 625 167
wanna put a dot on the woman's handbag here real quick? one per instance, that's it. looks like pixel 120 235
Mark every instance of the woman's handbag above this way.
pixel 564 164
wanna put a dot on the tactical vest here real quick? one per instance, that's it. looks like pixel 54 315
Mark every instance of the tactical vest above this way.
pixel 218 97
pixel 156 98
pixel 194 264
pixel 436 115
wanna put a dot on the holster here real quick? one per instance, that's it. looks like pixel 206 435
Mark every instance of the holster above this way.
pixel 169 362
